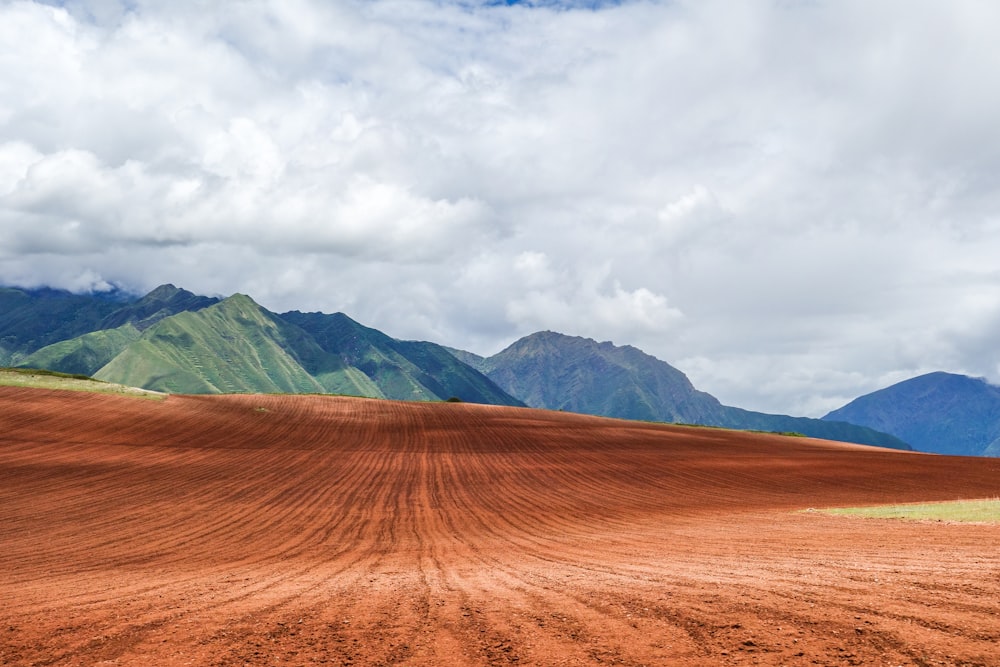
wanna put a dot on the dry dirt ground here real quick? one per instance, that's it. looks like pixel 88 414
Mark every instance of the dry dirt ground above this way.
pixel 309 530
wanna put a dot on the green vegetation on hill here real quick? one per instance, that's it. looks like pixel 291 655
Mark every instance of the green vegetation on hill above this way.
pixel 175 341
pixel 84 354
pixel 232 347
pixel 44 379
pixel 403 370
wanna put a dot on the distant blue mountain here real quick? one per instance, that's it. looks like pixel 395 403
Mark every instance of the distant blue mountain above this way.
pixel 937 412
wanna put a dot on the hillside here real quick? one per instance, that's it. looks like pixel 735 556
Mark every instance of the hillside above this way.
pixel 403 370
pixel 89 353
pixel 308 530
pixel 175 341
pixel 83 355
pixel 938 412
pixel 33 318
pixel 234 346
pixel 558 372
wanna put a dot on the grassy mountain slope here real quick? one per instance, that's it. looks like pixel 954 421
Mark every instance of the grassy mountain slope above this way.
pixel 234 346
pixel 84 355
pixel 558 372
pixel 937 412
pixel 403 370
pixel 174 340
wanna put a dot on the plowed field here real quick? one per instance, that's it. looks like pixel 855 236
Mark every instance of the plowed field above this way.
pixel 278 530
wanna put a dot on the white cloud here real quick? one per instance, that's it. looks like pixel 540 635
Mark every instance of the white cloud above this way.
pixel 792 202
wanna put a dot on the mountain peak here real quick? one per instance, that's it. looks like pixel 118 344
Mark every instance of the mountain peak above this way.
pixel 542 342
pixel 164 301
pixel 163 292
pixel 241 306
pixel 552 370
pixel 239 299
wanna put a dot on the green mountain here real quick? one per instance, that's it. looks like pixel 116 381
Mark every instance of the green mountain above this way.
pixel 30 319
pixel 83 355
pixel 175 341
pixel 88 353
pixel 234 346
pixel 558 372
pixel 938 412
pixel 403 370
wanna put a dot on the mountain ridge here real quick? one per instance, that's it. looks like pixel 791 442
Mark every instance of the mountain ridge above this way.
pixel 559 372
pixel 174 340
pixel 937 412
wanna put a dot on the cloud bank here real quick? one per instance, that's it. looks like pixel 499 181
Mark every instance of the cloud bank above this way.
pixel 793 202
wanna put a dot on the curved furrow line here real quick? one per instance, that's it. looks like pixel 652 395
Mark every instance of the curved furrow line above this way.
pixel 509 574
pixel 256 593
pixel 394 625
pixel 508 621
pixel 164 534
pixel 497 646
pixel 516 570
pixel 213 529
pixel 497 522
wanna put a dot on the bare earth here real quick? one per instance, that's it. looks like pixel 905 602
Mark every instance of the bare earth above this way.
pixel 278 530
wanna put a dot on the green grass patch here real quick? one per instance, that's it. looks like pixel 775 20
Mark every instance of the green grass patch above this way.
pixel 43 373
pixel 984 511
pixel 43 379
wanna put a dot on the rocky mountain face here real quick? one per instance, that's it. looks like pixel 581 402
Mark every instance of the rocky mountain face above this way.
pixel 558 372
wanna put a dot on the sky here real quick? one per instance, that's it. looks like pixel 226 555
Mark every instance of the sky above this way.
pixel 795 202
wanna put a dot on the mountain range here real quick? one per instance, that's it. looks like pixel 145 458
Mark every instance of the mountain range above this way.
pixel 558 372
pixel 176 341
pixel 172 340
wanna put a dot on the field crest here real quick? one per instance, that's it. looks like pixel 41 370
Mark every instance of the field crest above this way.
pixel 29 378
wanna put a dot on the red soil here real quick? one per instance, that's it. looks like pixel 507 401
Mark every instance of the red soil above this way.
pixel 314 530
